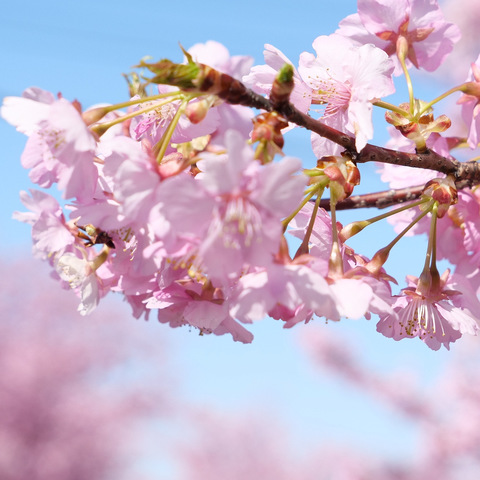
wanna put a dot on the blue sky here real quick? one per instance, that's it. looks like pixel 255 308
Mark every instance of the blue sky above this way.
pixel 80 49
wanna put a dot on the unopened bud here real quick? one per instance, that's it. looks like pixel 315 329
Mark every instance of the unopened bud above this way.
pixel 283 85
pixel 471 88
pixel 93 115
pixel 267 130
pixel 352 229
pixel 343 175
pixel 443 191
pixel 402 48
pixel 197 111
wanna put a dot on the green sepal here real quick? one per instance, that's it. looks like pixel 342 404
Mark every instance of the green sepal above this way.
pixel 285 74
pixel 176 74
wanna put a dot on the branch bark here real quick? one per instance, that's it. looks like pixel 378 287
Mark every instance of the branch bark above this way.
pixel 386 198
pixel 466 174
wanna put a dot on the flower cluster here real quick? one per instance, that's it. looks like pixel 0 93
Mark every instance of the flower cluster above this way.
pixel 171 205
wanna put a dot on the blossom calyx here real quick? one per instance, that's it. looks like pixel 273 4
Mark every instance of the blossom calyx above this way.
pixel 343 175
pixel 267 130
pixel 417 126
pixel 472 89
pixel 443 192
pixel 93 115
pixel 170 73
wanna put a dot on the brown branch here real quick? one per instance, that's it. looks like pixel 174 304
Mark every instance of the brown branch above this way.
pixel 383 199
pixel 466 174
pixel 197 77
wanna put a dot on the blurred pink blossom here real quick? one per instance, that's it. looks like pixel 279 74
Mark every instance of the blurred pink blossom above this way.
pixel 63 414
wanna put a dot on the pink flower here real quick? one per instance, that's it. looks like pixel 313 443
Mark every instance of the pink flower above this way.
pixel 187 302
pixel 50 232
pixel 261 77
pixel 359 296
pixel 26 112
pixel 283 290
pixel 219 116
pixel 437 315
pixel 79 274
pixel 238 117
pixel 217 56
pixel 152 125
pixel 356 293
pixel 466 15
pixel 420 22
pixel 347 79
pixel 60 147
pixel 230 214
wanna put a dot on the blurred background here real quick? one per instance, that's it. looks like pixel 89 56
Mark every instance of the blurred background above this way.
pixel 110 397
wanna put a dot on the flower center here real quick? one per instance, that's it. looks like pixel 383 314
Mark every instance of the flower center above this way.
pixel 332 93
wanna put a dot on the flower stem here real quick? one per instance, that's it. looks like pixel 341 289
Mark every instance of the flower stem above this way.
pixel 335 264
pixel 161 146
pixel 441 97
pixel 138 101
pixel 431 256
pixel 402 52
pixel 303 248
pixel 381 256
pixel 101 128
pixel 391 107
pixel 309 195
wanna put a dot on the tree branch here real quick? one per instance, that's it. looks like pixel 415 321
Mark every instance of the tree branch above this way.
pixel 467 174
pixel 384 199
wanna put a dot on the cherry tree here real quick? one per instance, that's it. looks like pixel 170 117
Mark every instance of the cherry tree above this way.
pixel 65 412
pixel 181 199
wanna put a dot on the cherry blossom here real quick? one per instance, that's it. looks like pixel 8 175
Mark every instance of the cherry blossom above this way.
pixel 418 23
pixel 283 291
pixel 261 77
pixel 152 124
pixel 50 231
pixel 239 207
pixel 347 79
pixel 188 303
pixel 60 148
pixel 230 116
pixel 180 203
pixel 437 315
pixel 78 272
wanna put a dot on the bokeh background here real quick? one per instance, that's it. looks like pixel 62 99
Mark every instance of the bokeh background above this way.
pixel 110 397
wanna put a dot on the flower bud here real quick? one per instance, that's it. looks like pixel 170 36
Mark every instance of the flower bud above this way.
pixel 343 175
pixel 283 85
pixel 471 88
pixel 93 115
pixel 417 128
pixel 197 111
pixel 443 191
pixel 267 130
pixel 352 229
